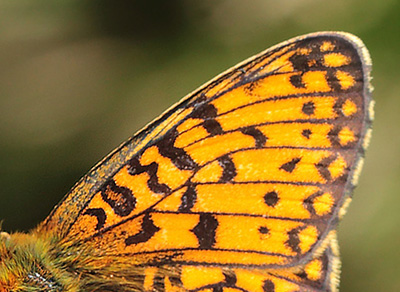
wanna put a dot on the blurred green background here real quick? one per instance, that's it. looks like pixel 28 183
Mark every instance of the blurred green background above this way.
pixel 79 77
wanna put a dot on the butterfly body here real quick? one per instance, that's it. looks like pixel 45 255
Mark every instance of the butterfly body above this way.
pixel 238 187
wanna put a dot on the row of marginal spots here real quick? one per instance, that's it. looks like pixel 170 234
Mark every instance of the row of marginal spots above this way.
pixel 265 86
pixel 319 274
pixel 259 137
pixel 315 57
pixel 281 112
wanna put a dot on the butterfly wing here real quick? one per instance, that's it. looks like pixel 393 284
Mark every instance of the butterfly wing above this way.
pixel 321 273
pixel 251 170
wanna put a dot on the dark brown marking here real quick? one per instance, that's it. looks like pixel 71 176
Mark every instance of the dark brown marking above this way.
pixel 333 136
pixel 229 169
pixel 306 133
pixel 166 259
pixel 147 231
pixel 178 156
pixel 99 214
pixel 308 202
pixel 322 167
pixel 134 168
pixel 337 107
pixel 230 279
pixel 297 81
pixel 249 87
pixel 294 241
pixel 300 62
pixel 175 280
pixel 256 134
pixel 204 111
pixel 263 230
pixel 159 283
pixel 271 198
pixel 218 288
pixel 268 286
pixel 120 199
pixel 212 127
pixel 321 280
pixel 332 80
pixel 188 199
pixel 291 165
pixel 308 108
pixel 205 230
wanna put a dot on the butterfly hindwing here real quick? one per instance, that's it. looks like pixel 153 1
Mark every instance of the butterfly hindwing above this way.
pixel 319 274
pixel 249 171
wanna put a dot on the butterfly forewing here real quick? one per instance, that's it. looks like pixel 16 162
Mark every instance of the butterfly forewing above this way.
pixel 247 175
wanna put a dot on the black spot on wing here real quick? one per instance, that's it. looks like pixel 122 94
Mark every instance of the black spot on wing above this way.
pixel 293 242
pixel 230 279
pixel 208 112
pixel 291 165
pixel 147 231
pixel 99 214
pixel 213 127
pixel 306 133
pixel 134 168
pixel 297 81
pixel 205 230
pixel 258 136
pixel 120 199
pixel 308 202
pixel 308 108
pixel 268 286
pixel 178 156
pixel 333 136
pixel 204 111
pixel 322 167
pixel 271 198
pixel 188 199
pixel 263 230
pixel 229 169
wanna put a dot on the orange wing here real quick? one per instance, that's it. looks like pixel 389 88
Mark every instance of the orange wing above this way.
pixel 251 170
pixel 319 274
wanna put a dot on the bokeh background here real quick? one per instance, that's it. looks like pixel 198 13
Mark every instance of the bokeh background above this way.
pixel 79 77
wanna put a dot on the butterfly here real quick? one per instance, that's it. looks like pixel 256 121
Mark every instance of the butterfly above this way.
pixel 237 187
